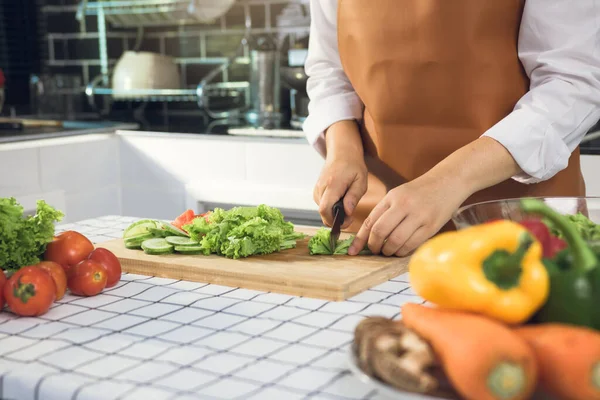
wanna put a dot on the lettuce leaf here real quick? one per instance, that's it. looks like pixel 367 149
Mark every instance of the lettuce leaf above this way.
pixel 243 232
pixel 23 239
pixel 319 244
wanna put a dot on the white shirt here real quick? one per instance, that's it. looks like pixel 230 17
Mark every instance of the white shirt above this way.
pixel 559 47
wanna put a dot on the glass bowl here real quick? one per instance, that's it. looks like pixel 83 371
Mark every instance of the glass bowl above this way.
pixel 510 209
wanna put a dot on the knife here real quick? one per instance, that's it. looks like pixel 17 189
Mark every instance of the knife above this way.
pixel 338 220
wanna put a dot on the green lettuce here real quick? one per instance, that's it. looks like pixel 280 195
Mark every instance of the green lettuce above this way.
pixel 23 239
pixel 319 244
pixel 243 232
pixel 589 230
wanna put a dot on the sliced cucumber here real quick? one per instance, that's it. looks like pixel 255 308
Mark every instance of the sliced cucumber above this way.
pixel 190 250
pixel 138 228
pixel 140 238
pixel 159 233
pixel 157 246
pixel 173 230
pixel 181 241
pixel 133 245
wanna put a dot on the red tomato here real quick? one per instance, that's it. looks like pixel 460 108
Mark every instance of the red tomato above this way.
pixel 2 283
pixel 68 249
pixel 110 262
pixel 88 278
pixel 30 291
pixel 58 274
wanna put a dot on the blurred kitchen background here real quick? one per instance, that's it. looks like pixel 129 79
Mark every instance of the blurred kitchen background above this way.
pixel 77 60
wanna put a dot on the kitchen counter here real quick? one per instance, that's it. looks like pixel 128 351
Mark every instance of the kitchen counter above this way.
pixel 155 338
pixel 71 128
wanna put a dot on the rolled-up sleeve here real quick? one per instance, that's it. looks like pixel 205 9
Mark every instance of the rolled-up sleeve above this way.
pixel 332 97
pixel 559 47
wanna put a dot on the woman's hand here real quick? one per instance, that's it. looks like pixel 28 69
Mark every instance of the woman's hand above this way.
pixel 412 213
pixel 408 216
pixel 344 173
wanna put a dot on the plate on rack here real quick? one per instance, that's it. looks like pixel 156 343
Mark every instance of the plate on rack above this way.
pixel 384 389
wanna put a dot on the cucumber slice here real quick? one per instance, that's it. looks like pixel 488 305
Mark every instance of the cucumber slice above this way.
pixel 133 245
pixel 138 228
pixel 190 250
pixel 180 241
pixel 158 233
pixel 173 230
pixel 139 238
pixel 157 246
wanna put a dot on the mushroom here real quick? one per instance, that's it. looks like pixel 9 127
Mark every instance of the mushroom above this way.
pixel 388 350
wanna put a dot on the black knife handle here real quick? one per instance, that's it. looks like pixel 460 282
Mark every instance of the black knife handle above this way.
pixel 338 207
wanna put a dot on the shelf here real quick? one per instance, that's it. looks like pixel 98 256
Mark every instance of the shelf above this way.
pixel 136 13
pixel 170 95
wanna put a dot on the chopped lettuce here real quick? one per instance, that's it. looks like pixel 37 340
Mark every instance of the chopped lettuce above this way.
pixel 319 244
pixel 23 239
pixel 243 232
pixel 589 230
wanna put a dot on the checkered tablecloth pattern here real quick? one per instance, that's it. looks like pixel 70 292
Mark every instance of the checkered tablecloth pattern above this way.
pixel 154 338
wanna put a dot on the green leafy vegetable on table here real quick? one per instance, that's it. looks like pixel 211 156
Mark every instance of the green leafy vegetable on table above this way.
pixel 235 233
pixel 23 239
pixel 319 244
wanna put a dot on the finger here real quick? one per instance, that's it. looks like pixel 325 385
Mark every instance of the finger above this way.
pixel 355 192
pixel 383 228
pixel 416 239
pixel 362 236
pixel 332 194
pixel 347 222
pixel 400 235
pixel 318 191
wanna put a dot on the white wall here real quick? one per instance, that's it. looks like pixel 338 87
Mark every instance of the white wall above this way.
pixel 160 175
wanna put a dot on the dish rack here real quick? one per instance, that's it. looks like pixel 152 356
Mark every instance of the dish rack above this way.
pixel 154 13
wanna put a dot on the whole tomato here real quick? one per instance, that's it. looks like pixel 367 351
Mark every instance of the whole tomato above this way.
pixel 110 262
pixel 30 291
pixel 58 274
pixel 68 249
pixel 88 278
pixel 2 283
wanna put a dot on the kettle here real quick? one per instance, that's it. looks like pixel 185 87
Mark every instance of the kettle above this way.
pixel 265 83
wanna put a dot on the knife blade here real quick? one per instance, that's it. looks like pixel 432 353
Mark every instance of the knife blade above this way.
pixel 338 219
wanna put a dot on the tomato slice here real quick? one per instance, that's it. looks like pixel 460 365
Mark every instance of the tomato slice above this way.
pixel 187 217
pixel 184 219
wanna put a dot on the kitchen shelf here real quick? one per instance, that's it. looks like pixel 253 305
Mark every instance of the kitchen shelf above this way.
pixel 163 95
pixel 136 13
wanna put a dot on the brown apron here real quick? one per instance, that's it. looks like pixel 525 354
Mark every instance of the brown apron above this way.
pixel 434 75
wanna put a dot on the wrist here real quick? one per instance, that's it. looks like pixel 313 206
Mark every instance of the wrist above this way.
pixel 343 140
pixel 477 166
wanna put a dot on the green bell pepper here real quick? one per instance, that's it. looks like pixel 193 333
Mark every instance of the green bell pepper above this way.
pixel 574 275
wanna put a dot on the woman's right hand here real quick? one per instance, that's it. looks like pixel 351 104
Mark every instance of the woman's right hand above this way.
pixel 344 173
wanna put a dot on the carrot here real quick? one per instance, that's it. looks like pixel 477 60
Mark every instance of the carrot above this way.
pixel 568 358
pixel 483 359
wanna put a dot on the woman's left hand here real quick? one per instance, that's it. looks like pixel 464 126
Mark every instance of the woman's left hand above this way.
pixel 409 215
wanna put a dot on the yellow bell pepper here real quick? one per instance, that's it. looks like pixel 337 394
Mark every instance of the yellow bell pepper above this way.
pixel 493 269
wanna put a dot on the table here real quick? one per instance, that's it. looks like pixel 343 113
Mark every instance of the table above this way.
pixel 156 338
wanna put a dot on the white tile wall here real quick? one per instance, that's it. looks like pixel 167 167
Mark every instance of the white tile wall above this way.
pixel 19 172
pixel 149 202
pixel 275 163
pixel 590 166
pixel 92 203
pixel 75 167
pixel 164 162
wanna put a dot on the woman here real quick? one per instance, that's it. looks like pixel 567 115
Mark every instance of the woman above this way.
pixel 421 106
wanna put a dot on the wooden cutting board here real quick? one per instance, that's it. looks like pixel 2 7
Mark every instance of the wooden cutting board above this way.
pixel 291 271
